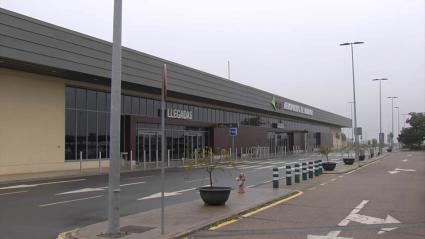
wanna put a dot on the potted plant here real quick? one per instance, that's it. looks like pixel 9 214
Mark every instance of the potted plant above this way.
pixel 327 166
pixel 349 160
pixel 213 195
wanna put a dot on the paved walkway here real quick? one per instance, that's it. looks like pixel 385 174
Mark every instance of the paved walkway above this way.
pixel 184 218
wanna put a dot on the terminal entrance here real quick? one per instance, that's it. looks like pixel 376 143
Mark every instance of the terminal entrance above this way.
pixel 180 144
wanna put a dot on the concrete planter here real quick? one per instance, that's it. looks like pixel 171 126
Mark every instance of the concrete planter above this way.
pixel 214 196
pixel 329 166
pixel 389 149
pixel 348 161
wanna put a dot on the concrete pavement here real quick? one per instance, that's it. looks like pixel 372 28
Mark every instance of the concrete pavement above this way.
pixel 384 199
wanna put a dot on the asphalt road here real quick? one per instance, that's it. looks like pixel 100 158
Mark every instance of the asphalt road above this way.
pixel 385 199
pixel 43 209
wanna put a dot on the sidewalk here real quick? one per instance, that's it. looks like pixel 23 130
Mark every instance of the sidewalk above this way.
pixel 341 167
pixel 182 219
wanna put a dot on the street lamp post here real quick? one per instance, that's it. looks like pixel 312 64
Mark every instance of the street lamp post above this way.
pixel 381 137
pixel 392 118
pixel 354 98
pixel 115 161
pixel 398 123
pixel 352 125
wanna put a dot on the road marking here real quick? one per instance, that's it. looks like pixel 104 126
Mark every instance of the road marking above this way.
pixel 404 160
pixel 397 170
pixel 246 167
pixel 222 224
pixel 195 180
pixel 68 201
pixel 377 160
pixel 299 193
pixel 363 219
pixel 311 188
pixel 409 155
pixel 85 190
pixel 323 184
pixel 340 176
pixel 141 177
pixel 333 180
pixel 265 167
pixel 331 235
pixel 40 184
pixel 168 194
pixel 2 194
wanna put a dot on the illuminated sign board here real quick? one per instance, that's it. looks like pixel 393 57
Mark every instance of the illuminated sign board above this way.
pixel 280 105
pixel 179 114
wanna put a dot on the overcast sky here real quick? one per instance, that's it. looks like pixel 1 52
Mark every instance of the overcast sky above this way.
pixel 289 48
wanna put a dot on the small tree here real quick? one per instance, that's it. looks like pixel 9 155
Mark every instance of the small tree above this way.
pixel 325 150
pixel 210 161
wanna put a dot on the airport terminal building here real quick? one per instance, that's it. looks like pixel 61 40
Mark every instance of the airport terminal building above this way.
pixel 55 105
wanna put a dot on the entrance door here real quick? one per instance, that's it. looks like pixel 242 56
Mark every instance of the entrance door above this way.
pixel 148 146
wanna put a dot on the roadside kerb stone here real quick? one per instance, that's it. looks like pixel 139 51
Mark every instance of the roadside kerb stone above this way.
pixel 341 168
pixel 185 218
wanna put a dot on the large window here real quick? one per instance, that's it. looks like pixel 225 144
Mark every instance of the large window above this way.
pixel 86 124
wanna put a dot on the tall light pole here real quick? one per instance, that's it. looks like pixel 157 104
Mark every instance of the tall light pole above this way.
pixel 398 121
pixel 115 164
pixel 352 125
pixel 354 97
pixel 392 118
pixel 381 136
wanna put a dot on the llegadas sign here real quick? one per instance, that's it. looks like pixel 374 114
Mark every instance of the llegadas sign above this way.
pixel 284 105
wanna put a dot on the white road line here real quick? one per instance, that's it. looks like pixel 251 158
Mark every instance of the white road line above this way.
pixel 265 167
pixel 40 184
pixel 69 201
pixel 323 184
pixel 246 167
pixel 1 194
pixel 168 194
pixel 85 190
pixel 141 177
pixel 340 176
pixel 195 180
pixel 311 188
pixel 404 160
pixel 333 180
pixel 357 209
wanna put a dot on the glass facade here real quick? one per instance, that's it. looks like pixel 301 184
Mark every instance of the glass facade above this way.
pixel 87 121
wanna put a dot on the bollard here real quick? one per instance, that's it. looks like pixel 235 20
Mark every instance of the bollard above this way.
pixel 320 167
pixel 297 173
pixel 304 169
pixel 288 175
pixel 275 178
pixel 310 169
pixel 316 168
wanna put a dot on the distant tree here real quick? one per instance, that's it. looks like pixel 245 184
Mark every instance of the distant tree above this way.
pixel 374 143
pixel 413 136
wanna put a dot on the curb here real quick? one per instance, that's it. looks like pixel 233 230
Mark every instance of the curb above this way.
pixel 73 234
pixel 359 166
pixel 235 217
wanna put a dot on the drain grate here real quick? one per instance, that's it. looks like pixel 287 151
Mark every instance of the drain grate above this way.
pixel 135 229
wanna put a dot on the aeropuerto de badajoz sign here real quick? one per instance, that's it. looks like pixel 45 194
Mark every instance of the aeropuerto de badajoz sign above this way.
pixel 179 114
pixel 280 105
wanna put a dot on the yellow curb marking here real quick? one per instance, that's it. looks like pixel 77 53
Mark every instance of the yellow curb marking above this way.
pixel 271 205
pixel 222 224
pixel 363 166
pixel 255 211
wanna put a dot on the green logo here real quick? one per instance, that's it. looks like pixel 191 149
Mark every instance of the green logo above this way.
pixel 274 103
